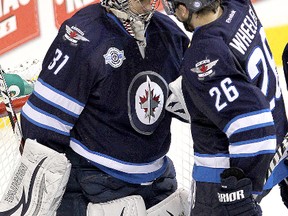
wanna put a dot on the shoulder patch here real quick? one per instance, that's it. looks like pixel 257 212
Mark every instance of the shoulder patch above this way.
pixel 74 35
pixel 204 68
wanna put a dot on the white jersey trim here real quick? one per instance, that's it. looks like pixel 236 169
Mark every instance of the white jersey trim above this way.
pixel 212 161
pixel 249 121
pixel 45 120
pixel 122 166
pixel 254 147
pixel 58 98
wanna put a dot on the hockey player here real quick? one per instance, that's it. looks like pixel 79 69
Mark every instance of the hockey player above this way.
pixel 230 87
pixel 100 100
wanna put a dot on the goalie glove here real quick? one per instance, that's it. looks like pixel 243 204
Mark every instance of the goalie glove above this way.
pixel 235 194
pixel 175 102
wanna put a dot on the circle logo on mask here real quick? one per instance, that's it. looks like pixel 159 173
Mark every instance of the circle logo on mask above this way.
pixel 147 94
pixel 197 4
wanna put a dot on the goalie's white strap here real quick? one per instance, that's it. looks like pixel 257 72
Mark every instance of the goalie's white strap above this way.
pixel 126 206
pixel 38 183
pixel 175 102
pixel 176 204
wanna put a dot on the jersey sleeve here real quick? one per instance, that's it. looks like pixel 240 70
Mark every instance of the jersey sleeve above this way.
pixel 226 96
pixel 285 63
pixel 61 91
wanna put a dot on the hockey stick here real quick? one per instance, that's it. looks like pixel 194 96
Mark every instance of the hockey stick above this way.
pixel 277 157
pixel 280 152
pixel 9 108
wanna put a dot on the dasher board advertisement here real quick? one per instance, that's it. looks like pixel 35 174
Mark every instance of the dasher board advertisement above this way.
pixel 18 23
pixel 64 9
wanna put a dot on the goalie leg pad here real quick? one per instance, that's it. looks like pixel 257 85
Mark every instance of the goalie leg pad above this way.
pixel 126 206
pixel 176 204
pixel 38 183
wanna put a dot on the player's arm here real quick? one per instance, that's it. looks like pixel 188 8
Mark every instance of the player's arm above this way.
pixel 240 110
pixel 60 92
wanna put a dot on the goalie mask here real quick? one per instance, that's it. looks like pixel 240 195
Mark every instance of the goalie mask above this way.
pixel 192 5
pixel 127 7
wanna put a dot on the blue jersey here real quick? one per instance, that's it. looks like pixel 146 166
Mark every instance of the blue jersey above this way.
pixel 98 95
pixel 230 85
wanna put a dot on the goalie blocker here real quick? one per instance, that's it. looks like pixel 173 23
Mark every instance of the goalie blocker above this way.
pixel 38 183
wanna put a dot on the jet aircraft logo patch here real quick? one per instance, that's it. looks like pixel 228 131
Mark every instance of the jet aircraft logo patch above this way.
pixel 204 68
pixel 74 35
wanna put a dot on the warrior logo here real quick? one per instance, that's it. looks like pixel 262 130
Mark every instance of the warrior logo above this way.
pixel 146 99
pixel 204 68
pixel 74 35
pixel 114 57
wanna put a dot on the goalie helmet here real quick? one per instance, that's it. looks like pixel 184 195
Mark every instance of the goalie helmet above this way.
pixel 124 6
pixel 121 5
pixel 192 5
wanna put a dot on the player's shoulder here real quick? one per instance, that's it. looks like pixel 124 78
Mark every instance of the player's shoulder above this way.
pixel 85 27
pixel 164 23
pixel 209 46
pixel 208 59
pixel 88 16
pixel 91 12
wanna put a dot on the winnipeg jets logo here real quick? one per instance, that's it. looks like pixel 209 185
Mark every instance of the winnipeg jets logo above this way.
pixel 149 102
pixel 147 95
pixel 114 57
pixel 204 68
pixel 74 34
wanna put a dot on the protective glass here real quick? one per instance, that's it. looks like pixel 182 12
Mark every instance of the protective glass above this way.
pixel 169 6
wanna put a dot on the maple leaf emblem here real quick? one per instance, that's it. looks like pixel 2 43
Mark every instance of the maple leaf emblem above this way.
pixel 149 102
pixel 206 66
pixel 203 68
pixel 73 34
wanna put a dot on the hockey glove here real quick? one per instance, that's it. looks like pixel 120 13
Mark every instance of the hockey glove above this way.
pixel 235 194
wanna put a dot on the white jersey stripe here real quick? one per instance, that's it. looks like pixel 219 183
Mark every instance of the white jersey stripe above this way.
pixel 58 99
pixel 107 161
pixel 212 162
pixel 250 120
pixel 254 147
pixel 45 120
